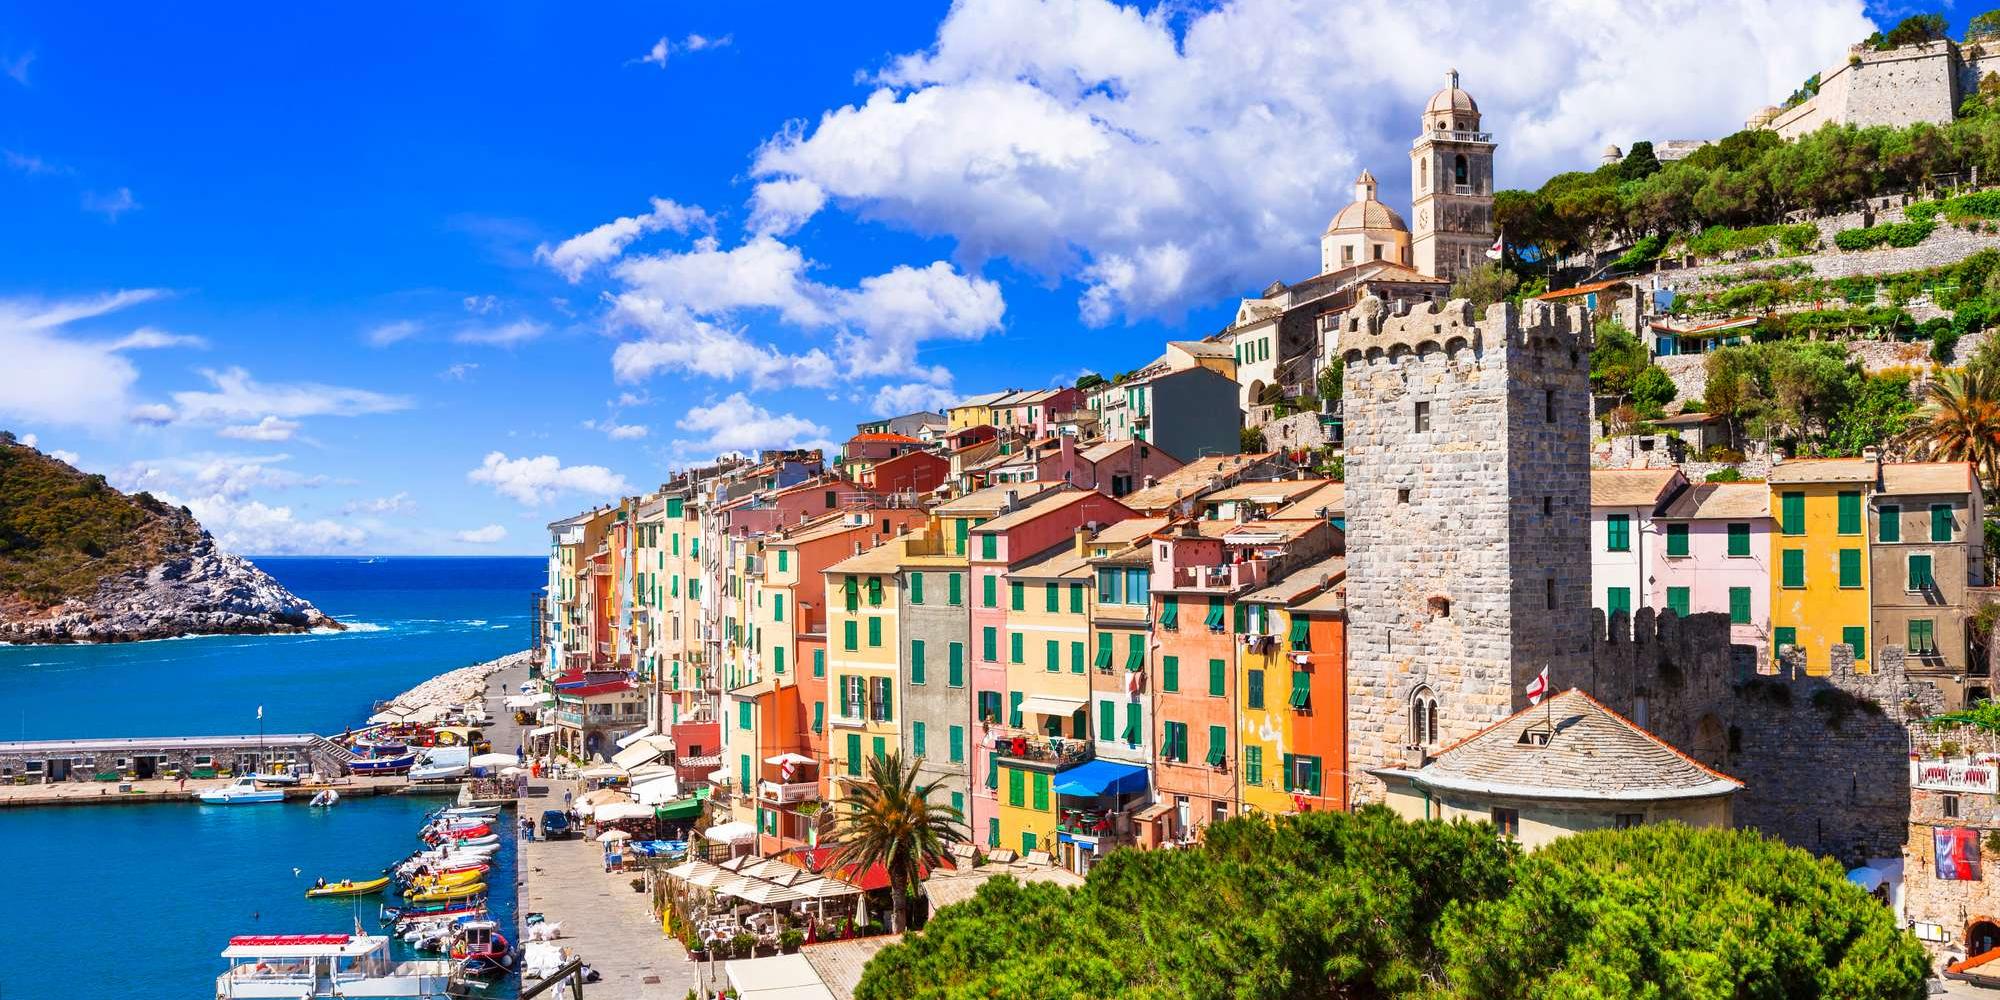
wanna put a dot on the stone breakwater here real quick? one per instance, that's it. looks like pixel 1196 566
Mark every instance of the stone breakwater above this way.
pixel 464 686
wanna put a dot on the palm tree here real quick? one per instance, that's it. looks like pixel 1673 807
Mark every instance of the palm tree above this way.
pixel 1960 422
pixel 890 820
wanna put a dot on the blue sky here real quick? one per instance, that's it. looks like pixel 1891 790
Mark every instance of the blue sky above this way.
pixel 420 278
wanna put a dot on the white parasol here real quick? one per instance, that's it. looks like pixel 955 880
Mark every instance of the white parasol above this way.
pixel 610 836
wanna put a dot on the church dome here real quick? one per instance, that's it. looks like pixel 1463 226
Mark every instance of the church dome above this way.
pixel 1451 99
pixel 1365 212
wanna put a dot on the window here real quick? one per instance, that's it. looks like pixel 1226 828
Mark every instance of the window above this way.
pixel 1548 506
pixel 1016 786
pixel 957 676
pixel 819 663
pixel 1103 659
pixel 989 706
pixel 1301 689
pixel 1302 774
pixel 874 632
pixel 777 607
pixel 853 755
pixel 1301 637
pixel 1423 718
pixel 1076 657
pixel 1921 580
pixel 1075 599
pixel 1549 592
pixel 955 595
pixel 819 717
pixel 1677 540
pixel 993 831
pixel 1138 586
pixel 1548 406
pixel 1889 523
pixel 916 588
pixel 1627 821
pixel 1460 171
pixel 1214 619
pixel 1617 599
pixel 1014 709
pixel 850 635
pixel 1403 495
pixel 1253 692
pixel 1052 656
pixel 743 709
pixel 1677 601
pixel 881 709
pixel 1923 636
pixel 989 591
pixel 1618 533
pixel 1739 539
pixel 778 659
pixel 957 746
pixel 1218 746
pixel 1135 723
pixel 958 804
pixel 852 590
pixel 1015 641
pixel 1107 719
pixel 1174 742
pixel 783 560
pixel 1170 674
pixel 1782 637
pixel 1216 682
pixel 917 738
pixel 1739 605
pixel 1508 821
pixel 989 546
pixel 1253 765
pixel 1423 416
pixel 989 645
pixel 1017 595
pixel 916 661
pixel 1109 585
pixel 1135 651
pixel 1849 507
pixel 1792 568
pixel 1850 567
pixel 1948 804
pixel 1792 513
pixel 1855 638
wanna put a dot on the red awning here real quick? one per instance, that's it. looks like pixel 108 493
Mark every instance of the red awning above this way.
pixel 816 859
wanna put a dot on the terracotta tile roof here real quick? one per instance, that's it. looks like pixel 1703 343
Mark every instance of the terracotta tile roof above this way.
pixel 1927 477
pixel 1040 507
pixel 1710 327
pixel 1595 286
pixel 1306 581
pixel 884 436
pixel 1281 491
pixel 1593 753
pixel 1823 470
pixel 1189 479
pixel 1721 501
pixel 990 499
pixel 1330 497
pixel 884 558
pixel 1630 487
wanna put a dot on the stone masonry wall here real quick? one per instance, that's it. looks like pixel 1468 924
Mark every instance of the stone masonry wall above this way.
pixel 1459 514
pixel 1823 759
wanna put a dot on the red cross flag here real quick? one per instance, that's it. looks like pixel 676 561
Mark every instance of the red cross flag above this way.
pixel 1539 687
pixel 1498 248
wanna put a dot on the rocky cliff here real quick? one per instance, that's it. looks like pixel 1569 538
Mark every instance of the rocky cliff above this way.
pixel 82 562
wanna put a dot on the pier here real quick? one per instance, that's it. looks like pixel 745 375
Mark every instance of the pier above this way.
pixel 53 762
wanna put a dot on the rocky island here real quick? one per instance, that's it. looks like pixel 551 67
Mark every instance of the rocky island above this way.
pixel 82 562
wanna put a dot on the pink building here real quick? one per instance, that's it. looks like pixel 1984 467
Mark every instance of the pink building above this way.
pixel 1711 551
pixel 1036 409
pixel 1019 534
pixel 767 510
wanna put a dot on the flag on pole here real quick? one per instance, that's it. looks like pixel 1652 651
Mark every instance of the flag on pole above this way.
pixel 260 711
pixel 1498 248
pixel 1539 687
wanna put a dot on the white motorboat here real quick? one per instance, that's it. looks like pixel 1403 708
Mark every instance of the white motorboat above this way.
pixel 326 798
pixel 441 764
pixel 276 778
pixel 242 791
pixel 472 812
pixel 325 966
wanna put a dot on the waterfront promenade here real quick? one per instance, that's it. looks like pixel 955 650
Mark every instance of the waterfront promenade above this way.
pixel 604 922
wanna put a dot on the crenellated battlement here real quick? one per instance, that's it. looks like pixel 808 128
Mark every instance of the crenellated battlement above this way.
pixel 1374 331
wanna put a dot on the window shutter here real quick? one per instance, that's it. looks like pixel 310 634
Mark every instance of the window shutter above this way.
pixel 1677 539
pixel 1739 539
pixel 1253 695
pixel 1301 634
pixel 916 661
pixel 1301 689
pixel 955 589
pixel 1016 595
pixel 1218 745
pixel 916 588
pixel 1849 518
pixel 1677 600
pixel 1216 684
pixel 1856 638
pixel 1941 522
pixel 1739 605
pixel 1076 657
pixel 1793 569
pixel 1920 573
pixel 1051 598
pixel 917 737
pixel 1792 513
pixel 957 746
pixel 1170 673
pixel 1107 718
pixel 853 755
pixel 957 678
pixel 1053 651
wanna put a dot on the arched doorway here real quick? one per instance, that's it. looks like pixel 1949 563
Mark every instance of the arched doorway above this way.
pixel 1710 742
pixel 1981 936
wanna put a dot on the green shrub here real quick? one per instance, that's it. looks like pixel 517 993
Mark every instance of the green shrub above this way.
pixel 1729 475
pixel 1646 249
pixel 1792 240
pixel 1895 234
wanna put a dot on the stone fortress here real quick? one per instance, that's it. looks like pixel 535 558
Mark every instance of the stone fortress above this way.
pixel 1468 471
pixel 1924 82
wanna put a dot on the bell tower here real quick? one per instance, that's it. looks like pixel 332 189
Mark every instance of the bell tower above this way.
pixel 1451 185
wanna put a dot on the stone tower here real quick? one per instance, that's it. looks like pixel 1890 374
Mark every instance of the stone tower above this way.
pixel 1468 491
pixel 1451 185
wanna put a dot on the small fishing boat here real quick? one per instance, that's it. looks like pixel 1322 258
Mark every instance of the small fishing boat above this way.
pixel 462 876
pixel 242 791
pixel 441 764
pixel 445 893
pixel 483 840
pixel 282 778
pixel 326 798
pixel 408 915
pixel 325 966
pixel 399 764
pixel 347 887
pixel 379 745
pixel 472 812
pixel 459 832
pixel 481 950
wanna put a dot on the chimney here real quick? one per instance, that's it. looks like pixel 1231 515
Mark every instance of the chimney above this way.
pixel 1013 500
pixel 1152 481
pixel 1083 534
pixel 1871 454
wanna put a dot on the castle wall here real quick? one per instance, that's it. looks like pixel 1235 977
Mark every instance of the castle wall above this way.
pixel 1823 759
pixel 1459 515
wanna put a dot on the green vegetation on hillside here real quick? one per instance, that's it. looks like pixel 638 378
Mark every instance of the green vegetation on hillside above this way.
pixel 62 530
pixel 1810 394
pixel 1367 905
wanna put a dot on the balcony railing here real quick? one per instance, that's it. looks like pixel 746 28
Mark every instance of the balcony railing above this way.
pixel 1021 744
pixel 1227 577
pixel 1451 135
pixel 782 793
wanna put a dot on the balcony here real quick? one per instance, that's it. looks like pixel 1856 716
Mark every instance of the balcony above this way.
pixel 1226 578
pixel 1038 748
pixel 781 793
pixel 1451 135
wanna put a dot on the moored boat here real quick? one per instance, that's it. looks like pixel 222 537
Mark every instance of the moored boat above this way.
pixel 481 950
pixel 325 966
pixel 445 893
pixel 326 798
pixel 347 887
pixel 399 764
pixel 242 791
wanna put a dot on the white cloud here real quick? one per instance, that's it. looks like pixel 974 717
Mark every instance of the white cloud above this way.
pixel 237 396
pixel 399 503
pixel 1171 157
pixel 30 440
pixel 736 424
pixel 154 414
pixel 213 474
pixel 53 377
pixel 657 55
pixel 617 431
pixel 32 165
pixel 459 372
pixel 252 527
pixel 782 206
pixel 518 332
pixel 110 205
pixel 574 257
pixel 677 342
pixel 897 311
pixel 389 333
pixel 16 67
pixel 267 429
pixel 910 397
pixel 66 456
pixel 696 43
pixel 487 535
pixel 538 480
pixel 480 305
pixel 147 337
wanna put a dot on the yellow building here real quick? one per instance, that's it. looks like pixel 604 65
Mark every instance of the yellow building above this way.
pixel 863 594
pixel 1819 558
pixel 679 593
pixel 975 411
pixel 1280 718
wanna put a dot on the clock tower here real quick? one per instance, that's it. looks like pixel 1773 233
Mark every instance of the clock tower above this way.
pixel 1451 185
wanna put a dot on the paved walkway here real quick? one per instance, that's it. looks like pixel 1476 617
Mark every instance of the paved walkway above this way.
pixel 607 924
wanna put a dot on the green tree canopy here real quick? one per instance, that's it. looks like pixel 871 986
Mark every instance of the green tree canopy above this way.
pixel 1810 393
pixel 1326 905
pixel 1484 285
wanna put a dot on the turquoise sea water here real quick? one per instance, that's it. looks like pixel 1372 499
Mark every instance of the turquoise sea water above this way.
pixel 136 902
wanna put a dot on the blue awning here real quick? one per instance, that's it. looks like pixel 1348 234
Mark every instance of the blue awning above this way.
pixel 1102 777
